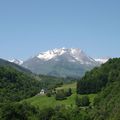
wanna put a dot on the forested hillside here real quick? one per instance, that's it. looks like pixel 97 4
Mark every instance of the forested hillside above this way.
pixel 15 85
pixel 107 102
pixel 17 67
pixel 97 78
pixel 106 81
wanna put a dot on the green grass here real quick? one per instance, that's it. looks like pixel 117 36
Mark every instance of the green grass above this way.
pixel 44 101
pixel 67 86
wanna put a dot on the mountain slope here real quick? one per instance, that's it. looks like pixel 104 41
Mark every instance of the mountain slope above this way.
pixel 107 103
pixel 16 61
pixel 105 81
pixel 107 106
pixel 61 62
pixel 16 85
pixel 17 67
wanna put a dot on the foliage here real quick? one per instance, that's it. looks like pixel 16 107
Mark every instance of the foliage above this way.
pixel 68 92
pixel 50 81
pixel 60 95
pixel 107 102
pixel 49 93
pixel 44 101
pixel 97 79
pixel 17 111
pixel 15 85
pixel 105 79
pixel 78 101
pixel 62 113
pixel 85 101
pixel 25 111
pixel 82 102
pixel 46 114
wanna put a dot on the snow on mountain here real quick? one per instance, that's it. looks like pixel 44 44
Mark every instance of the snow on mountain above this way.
pixel 76 54
pixel 102 60
pixel 51 54
pixel 16 61
pixel 61 62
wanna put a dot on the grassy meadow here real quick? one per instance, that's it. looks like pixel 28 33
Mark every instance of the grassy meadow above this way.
pixel 43 101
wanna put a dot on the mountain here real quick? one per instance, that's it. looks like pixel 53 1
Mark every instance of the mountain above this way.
pixel 16 61
pixel 11 64
pixel 102 60
pixel 61 62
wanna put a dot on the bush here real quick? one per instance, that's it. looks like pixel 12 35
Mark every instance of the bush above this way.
pixel 48 94
pixel 69 92
pixel 85 101
pixel 78 101
pixel 18 111
pixel 81 102
pixel 46 114
pixel 60 95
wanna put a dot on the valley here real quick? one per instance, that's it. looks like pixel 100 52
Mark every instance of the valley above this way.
pixel 95 96
pixel 45 102
pixel 59 59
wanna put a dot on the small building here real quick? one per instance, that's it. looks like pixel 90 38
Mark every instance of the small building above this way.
pixel 42 92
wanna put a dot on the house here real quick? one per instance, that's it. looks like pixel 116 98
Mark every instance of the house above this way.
pixel 42 92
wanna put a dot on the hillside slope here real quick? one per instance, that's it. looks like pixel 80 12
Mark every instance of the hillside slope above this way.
pixel 105 81
pixel 16 85
pixel 97 78
pixel 107 103
pixel 17 67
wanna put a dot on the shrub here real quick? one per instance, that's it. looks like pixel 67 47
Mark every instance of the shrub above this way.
pixel 81 102
pixel 69 92
pixel 48 94
pixel 85 101
pixel 60 95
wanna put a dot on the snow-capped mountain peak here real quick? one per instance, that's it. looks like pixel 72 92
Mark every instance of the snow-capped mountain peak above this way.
pixel 50 54
pixel 16 61
pixel 73 55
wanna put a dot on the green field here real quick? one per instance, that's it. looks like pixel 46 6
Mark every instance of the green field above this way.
pixel 44 101
pixel 66 86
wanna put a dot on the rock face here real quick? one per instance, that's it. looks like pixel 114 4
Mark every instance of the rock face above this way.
pixel 61 62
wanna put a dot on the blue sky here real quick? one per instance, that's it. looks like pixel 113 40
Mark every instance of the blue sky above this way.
pixel 30 26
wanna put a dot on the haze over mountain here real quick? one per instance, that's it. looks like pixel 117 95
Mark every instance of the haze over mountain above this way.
pixel 61 62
